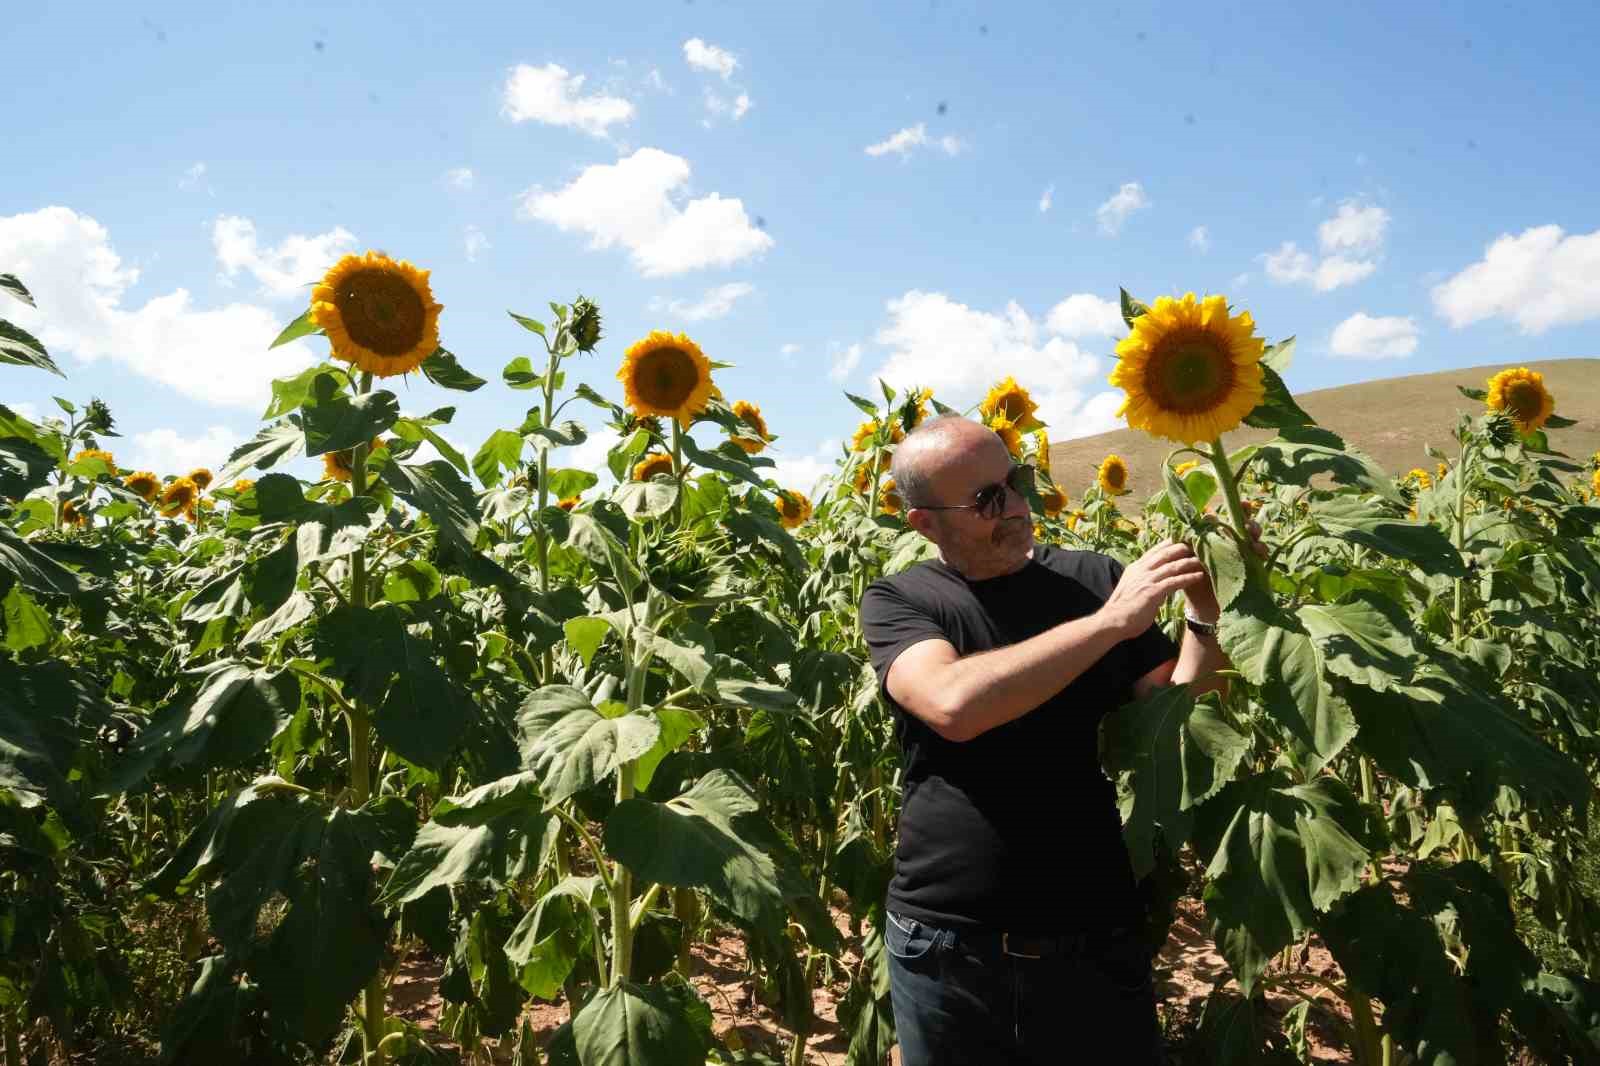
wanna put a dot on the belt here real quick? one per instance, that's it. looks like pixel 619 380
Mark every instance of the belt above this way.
pixel 1022 946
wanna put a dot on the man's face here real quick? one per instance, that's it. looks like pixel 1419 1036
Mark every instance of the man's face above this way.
pixel 979 547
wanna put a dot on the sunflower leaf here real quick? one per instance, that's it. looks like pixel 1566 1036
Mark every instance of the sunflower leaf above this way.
pixel 519 374
pixel 532 325
pixel 303 326
pixel 1131 308
pixel 503 450
pixel 867 406
pixel 281 440
pixel 444 370
pixel 587 392
pixel 562 435
pixel 334 422
pixel 420 429
pixel 1557 422
pixel 1481 395
pixel 1279 356
pixel 13 287
pixel 20 348
pixel 1277 409
pixel 290 392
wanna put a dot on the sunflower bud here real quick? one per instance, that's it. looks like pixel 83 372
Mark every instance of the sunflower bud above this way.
pixel 98 418
pixel 585 324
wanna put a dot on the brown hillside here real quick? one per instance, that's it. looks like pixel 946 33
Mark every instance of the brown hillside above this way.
pixel 1390 419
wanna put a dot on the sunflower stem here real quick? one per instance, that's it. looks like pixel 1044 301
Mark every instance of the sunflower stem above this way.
pixel 677 473
pixel 1257 575
pixel 547 416
pixel 1458 614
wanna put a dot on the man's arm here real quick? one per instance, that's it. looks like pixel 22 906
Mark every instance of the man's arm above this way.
pixel 962 697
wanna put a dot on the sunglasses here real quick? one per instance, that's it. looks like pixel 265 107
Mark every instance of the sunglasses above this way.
pixel 990 501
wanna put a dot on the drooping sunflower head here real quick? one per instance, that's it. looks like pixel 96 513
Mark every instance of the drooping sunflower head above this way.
pixel 757 435
pixel 1010 401
pixel 652 464
pixel 201 476
pixel 71 516
pixel 178 496
pixel 794 509
pixel 889 500
pixel 379 313
pixel 568 503
pixel 917 406
pixel 1041 453
pixel 1113 475
pixel 1521 395
pixel 1054 501
pixel 666 374
pixel 97 418
pixel 861 480
pixel 143 484
pixel 1190 370
pixel 584 324
pixel 100 454
pixel 340 465
pixel 1008 433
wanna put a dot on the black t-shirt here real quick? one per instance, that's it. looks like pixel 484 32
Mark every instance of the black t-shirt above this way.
pixel 1016 829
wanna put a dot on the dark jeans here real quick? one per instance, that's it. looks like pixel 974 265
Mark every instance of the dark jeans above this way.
pixel 961 1000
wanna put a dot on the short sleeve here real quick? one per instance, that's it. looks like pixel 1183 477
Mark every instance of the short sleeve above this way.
pixel 891 622
pixel 1149 649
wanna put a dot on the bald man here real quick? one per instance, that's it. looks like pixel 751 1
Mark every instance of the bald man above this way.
pixel 1014 918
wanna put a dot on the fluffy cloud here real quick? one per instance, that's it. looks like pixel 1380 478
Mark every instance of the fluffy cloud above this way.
pixel 913 137
pixel 960 351
pixel 1538 279
pixel 710 58
pixel 1115 211
pixel 1083 314
pixel 803 472
pixel 1350 243
pixel 715 303
pixel 1200 238
pixel 476 242
pixel 719 106
pixel 844 363
pixel 1046 198
pixel 167 451
pixel 550 95
pixel 285 271
pixel 459 178
pixel 214 355
pixel 1363 336
pixel 633 203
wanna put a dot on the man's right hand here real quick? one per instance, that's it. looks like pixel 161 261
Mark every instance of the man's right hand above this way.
pixel 1147 582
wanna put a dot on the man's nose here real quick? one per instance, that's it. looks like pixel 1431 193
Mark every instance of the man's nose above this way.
pixel 1016 504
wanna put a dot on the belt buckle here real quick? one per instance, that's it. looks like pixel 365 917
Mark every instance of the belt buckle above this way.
pixel 1005 948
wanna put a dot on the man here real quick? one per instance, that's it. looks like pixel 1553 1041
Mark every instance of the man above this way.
pixel 1014 921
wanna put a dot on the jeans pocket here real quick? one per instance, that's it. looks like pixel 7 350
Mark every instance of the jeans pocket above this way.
pixel 908 939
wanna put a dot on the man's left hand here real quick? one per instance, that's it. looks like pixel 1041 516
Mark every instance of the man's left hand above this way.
pixel 1203 599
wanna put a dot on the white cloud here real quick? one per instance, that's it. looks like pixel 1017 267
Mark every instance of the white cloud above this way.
pixel 285 271
pixel 960 351
pixel 192 177
pixel 632 202
pixel 1541 278
pixel 1115 211
pixel 1362 336
pixel 1350 242
pixel 26 410
pixel 214 355
pixel 741 106
pixel 1200 237
pixel 167 451
pixel 844 363
pixel 550 95
pixel 590 455
pixel 715 303
pixel 1083 314
pixel 1046 198
pixel 718 106
pixel 476 243
pixel 903 142
pixel 710 58
pixel 460 177
pixel 803 472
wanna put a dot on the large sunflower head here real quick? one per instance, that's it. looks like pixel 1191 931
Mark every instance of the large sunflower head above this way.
pixel 1008 432
pixel 178 496
pixel 756 439
pixel 1521 395
pixel 1010 401
pixel 1113 475
pixel 666 374
pixel 651 465
pixel 378 312
pixel 100 454
pixel 143 484
pixel 340 465
pixel 794 509
pixel 1054 500
pixel 1190 370
pixel 201 476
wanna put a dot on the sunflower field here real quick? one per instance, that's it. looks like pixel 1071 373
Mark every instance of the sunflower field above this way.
pixel 263 740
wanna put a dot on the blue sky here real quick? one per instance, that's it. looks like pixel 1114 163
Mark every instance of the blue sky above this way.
pixel 943 192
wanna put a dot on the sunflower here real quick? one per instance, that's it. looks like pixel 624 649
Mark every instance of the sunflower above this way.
pixel 1423 479
pixel 666 374
pixel 96 453
pixel 1073 519
pixel 201 476
pixel 1113 474
pixel 1191 372
pixel 143 484
pixel 70 515
pixel 242 486
pixel 1010 401
pixel 1440 471
pixel 378 313
pixel 1009 433
pixel 889 501
pixel 340 465
pixel 1521 394
pixel 1185 466
pixel 750 414
pixel 178 496
pixel 584 324
pixel 867 432
pixel 1594 482
pixel 567 504
pixel 1041 455
pixel 651 465
pixel 919 398
pixel 861 480
pixel 793 508
pixel 1054 500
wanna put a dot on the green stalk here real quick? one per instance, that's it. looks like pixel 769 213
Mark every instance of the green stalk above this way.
pixel 1241 522
pixel 677 472
pixel 621 887
pixel 1458 616
pixel 547 658
pixel 1369 1039
pixel 13 1040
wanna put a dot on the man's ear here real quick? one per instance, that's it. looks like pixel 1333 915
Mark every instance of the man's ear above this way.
pixel 921 521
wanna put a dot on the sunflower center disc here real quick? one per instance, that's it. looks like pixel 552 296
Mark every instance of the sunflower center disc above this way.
pixel 1190 374
pixel 1524 400
pixel 666 378
pixel 382 312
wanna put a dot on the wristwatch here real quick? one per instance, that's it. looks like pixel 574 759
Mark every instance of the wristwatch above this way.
pixel 1199 628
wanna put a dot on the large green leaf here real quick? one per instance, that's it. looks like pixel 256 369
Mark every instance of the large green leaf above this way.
pixel 1273 649
pixel 417 430
pixel 1365 638
pixel 749 528
pixel 636 1025
pixel 546 942
pixel 1235 1031
pixel 734 463
pixel 47 719
pixel 425 712
pixel 491 834
pixel 228 721
pixel 439 492
pixel 646 499
pixel 1279 852
pixel 443 369
pixel 21 348
pixel 1179 755
pixel 1277 409
pixel 367 646
pixel 1366 522
pixel 1299 453
pixel 571 746
pixel 25 564
pixel 24 466
pixel 12 286
pixel 27 625
pixel 290 392
pixel 689 660
pixel 274 443
pixel 304 326
pixel 602 548
pixel 334 422
pixel 502 451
